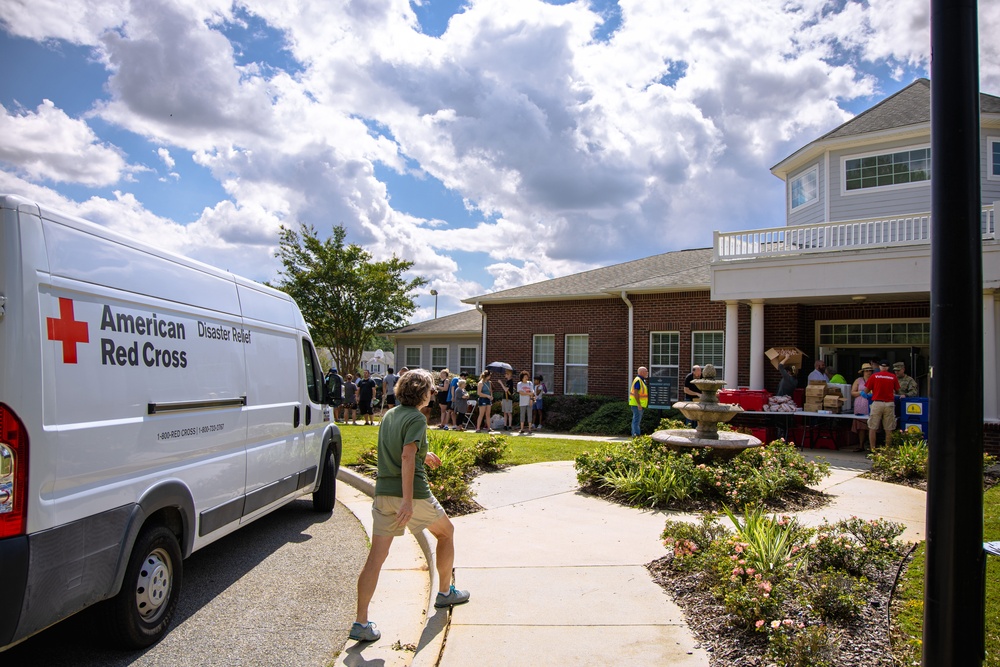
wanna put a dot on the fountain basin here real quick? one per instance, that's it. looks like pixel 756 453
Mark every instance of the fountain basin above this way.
pixel 709 413
pixel 727 445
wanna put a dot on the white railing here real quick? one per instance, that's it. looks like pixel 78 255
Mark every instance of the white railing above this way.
pixel 833 236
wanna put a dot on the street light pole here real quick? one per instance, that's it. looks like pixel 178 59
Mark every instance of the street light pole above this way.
pixel 434 293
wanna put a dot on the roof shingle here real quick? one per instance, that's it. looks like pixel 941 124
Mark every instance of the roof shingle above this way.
pixel 669 272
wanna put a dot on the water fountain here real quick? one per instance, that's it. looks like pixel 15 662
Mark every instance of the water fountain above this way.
pixel 709 413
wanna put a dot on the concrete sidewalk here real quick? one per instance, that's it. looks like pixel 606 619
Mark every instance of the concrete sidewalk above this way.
pixel 558 578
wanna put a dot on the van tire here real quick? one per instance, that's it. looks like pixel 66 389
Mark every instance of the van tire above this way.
pixel 325 496
pixel 143 609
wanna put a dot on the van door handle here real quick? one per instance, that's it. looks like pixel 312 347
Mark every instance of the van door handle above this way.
pixel 295 417
pixel 308 415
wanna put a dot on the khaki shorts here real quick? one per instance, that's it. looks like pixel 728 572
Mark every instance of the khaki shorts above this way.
pixel 884 413
pixel 425 512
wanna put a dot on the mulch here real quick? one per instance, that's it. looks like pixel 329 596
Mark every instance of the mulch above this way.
pixel 862 643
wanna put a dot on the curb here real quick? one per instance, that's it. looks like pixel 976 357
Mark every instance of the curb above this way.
pixel 431 642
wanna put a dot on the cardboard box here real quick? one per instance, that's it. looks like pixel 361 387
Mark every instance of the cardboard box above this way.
pixel 833 402
pixel 795 356
pixel 813 406
pixel 816 392
pixel 817 383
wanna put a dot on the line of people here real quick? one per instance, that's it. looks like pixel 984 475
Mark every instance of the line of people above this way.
pixel 358 396
pixel 454 404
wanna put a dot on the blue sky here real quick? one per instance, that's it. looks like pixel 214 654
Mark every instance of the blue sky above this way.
pixel 492 142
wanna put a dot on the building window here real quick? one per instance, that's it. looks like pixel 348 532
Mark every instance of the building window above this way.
pixel 805 188
pixel 993 156
pixel 576 363
pixel 439 358
pixel 543 359
pixel 664 358
pixel 877 171
pixel 467 361
pixel 875 333
pixel 412 357
pixel 708 347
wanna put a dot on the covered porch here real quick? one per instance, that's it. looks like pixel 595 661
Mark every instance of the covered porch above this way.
pixel 853 289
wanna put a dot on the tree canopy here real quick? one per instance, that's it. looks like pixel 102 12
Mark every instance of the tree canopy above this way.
pixel 345 297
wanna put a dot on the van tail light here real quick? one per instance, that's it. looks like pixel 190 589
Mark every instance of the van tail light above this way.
pixel 13 474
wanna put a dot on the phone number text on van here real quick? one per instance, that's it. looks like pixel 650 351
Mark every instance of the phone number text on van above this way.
pixel 186 432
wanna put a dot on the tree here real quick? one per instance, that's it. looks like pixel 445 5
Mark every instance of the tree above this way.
pixel 345 297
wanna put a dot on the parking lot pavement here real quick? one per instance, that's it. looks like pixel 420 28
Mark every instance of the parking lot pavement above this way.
pixel 280 591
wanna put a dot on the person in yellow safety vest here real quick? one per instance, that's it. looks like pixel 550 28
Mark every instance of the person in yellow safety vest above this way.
pixel 638 398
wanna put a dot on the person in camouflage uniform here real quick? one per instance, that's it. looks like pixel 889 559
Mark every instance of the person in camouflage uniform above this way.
pixel 907 385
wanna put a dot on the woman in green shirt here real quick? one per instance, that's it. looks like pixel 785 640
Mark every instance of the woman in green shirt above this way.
pixel 403 498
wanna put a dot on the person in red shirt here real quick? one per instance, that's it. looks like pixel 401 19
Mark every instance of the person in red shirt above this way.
pixel 883 387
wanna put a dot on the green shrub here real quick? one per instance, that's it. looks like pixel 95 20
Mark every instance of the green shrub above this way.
pixel 615 418
pixel 836 595
pixel 609 419
pixel 750 598
pixel 767 545
pixel 854 545
pixel 690 539
pixel 490 451
pixel 654 485
pixel 792 644
pixel 646 473
pixel 562 413
pixel 906 459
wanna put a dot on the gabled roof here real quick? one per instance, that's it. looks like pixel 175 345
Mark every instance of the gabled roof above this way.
pixel 678 271
pixel 909 108
pixel 465 322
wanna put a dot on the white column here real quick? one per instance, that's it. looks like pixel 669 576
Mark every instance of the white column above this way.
pixel 990 407
pixel 732 344
pixel 757 344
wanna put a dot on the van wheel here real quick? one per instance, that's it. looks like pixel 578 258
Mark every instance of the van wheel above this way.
pixel 143 609
pixel 325 497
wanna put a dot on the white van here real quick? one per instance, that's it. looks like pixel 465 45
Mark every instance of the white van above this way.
pixel 149 405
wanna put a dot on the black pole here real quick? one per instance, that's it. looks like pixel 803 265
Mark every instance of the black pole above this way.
pixel 954 614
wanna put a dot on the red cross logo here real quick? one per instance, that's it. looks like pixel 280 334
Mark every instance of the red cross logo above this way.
pixel 68 330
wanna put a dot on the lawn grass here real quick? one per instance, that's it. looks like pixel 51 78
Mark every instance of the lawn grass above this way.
pixel 523 449
pixel 909 618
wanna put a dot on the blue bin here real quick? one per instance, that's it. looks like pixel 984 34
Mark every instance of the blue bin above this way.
pixel 916 409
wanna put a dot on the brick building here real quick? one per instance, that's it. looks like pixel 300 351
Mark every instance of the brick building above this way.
pixel 846 278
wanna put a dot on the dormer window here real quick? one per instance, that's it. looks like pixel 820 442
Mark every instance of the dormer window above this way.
pixel 887 169
pixel 804 188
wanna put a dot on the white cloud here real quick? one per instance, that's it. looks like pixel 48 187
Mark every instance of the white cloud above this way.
pixel 164 155
pixel 576 152
pixel 49 145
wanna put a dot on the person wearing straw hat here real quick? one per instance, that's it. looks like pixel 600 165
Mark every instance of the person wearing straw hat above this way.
pixel 859 393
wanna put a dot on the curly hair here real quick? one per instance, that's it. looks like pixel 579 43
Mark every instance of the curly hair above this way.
pixel 412 387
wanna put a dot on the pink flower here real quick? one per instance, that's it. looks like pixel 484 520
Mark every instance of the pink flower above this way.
pixel 759 623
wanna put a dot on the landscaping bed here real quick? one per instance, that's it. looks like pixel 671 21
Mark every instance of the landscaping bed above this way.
pixel 776 593
pixel 645 473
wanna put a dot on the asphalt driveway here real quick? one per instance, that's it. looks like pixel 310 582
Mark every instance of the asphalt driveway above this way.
pixel 280 591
